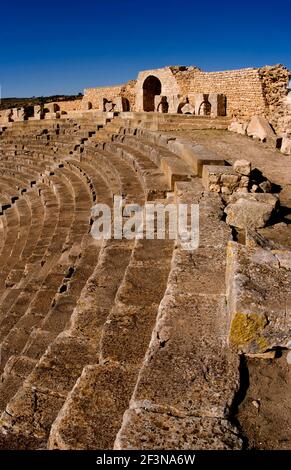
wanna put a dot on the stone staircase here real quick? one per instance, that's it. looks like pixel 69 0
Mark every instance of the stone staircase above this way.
pixel 114 343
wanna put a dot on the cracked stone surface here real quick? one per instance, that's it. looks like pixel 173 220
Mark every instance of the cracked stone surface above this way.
pixel 258 297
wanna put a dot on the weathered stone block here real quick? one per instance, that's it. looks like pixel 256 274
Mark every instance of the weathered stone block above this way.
pixel 238 127
pixel 146 430
pixel 258 297
pixel 259 128
pixel 216 177
pixel 286 146
pixel 243 167
pixel 93 411
pixel 175 169
pixel 250 210
pixel 229 179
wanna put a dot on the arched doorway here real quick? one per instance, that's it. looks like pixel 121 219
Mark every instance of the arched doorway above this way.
pixel 151 88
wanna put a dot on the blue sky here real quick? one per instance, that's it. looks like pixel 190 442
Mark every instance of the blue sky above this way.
pixel 60 47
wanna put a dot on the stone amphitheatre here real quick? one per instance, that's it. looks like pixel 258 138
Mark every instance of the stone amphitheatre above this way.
pixel 139 344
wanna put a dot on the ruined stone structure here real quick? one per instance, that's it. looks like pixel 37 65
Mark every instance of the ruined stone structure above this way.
pixel 239 94
pixel 138 344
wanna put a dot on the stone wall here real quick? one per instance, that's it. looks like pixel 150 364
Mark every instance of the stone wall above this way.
pixel 4 113
pixel 284 121
pixel 183 76
pixel 275 88
pixel 128 92
pixel 248 92
pixel 243 89
pixel 68 106
pixel 95 95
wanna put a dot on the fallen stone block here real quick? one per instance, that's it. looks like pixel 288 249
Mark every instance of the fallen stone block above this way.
pixel 243 167
pixel 258 298
pixel 195 155
pixel 253 210
pixel 238 127
pixel 259 128
pixel 286 146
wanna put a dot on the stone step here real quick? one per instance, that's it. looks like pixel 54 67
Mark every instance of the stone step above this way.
pixel 193 154
pixel 82 336
pixel 49 316
pixel 173 167
pixel 126 182
pixel 189 339
pixel 150 176
pixel 124 340
pixel 49 325
pixel 41 252
pixel 25 222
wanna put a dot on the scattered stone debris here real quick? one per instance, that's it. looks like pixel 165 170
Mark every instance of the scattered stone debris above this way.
pixel 256 404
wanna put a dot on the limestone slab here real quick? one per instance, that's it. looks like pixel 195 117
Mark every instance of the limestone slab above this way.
pixel 258 297
pixel 143 430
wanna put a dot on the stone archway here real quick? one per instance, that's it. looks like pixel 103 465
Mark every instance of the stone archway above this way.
pixel 151 87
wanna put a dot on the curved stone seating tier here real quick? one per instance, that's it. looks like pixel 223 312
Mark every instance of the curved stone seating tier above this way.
pixel 10 193
pixel 170 164
pixel 41 152
pixel 12 227
pixel 56 318
pixel 33 128
pixel 124 313
pixel 170 122
pixel 42 203
pixel 117 173
pixel 31 164
pixel 69 217
pixel 79 247
pixel 90 329
pixel 64 133
pixel 94 180
pixel 18 177
pixel 47 140
pixel 152 179
pixel 104 166
pixel 9 259
pixel 37 263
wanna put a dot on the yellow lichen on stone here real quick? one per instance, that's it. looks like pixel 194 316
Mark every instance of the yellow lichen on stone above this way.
pixel 246 328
